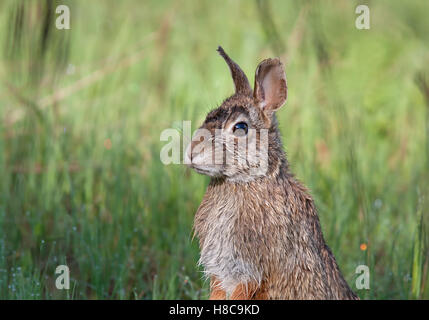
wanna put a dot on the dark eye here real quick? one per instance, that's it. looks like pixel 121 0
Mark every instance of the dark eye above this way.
pixel 240 129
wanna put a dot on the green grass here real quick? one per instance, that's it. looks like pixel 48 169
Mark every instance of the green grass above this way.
pixel 82 183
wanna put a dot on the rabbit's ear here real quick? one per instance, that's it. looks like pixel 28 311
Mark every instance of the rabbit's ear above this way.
pixel 241 83
pixel 270 85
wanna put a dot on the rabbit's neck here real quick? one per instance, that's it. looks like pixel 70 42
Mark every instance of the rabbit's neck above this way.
pixel 277 199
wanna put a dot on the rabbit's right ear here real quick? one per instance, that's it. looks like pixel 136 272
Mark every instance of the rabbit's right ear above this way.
pixel 270 91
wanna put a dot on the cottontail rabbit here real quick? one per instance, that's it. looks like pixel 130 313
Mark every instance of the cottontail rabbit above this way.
pixel 260 235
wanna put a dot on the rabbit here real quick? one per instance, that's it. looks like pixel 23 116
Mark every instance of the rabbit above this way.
pixel 259 232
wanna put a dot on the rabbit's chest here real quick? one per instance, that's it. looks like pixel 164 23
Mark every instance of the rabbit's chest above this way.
pixel 221 254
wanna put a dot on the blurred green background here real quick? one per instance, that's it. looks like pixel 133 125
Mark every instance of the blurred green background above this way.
pixel 82 111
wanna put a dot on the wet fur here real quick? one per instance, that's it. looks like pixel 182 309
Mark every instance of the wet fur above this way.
pixel 261 238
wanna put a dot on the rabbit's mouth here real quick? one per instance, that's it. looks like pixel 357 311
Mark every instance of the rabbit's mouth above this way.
pixel 202 163
pixel 212 172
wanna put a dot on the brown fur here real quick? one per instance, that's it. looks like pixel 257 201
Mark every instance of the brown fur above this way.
pixel 263 229
pixel 216 291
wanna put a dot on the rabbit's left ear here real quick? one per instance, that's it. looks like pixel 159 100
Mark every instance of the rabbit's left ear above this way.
pixel 241 83
pixel 270 91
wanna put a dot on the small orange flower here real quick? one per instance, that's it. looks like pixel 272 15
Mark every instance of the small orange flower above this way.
pixel 108 144
pixel 363 246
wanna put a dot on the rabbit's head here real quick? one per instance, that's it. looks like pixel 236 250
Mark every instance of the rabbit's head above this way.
pixel 239 140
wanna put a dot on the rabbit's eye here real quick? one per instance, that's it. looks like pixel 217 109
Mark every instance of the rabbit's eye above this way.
pixel 240 129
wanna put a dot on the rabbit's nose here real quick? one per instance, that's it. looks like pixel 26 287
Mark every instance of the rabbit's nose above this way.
pixel 191 152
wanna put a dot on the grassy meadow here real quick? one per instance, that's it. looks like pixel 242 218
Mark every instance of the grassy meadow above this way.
pixel 82 111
